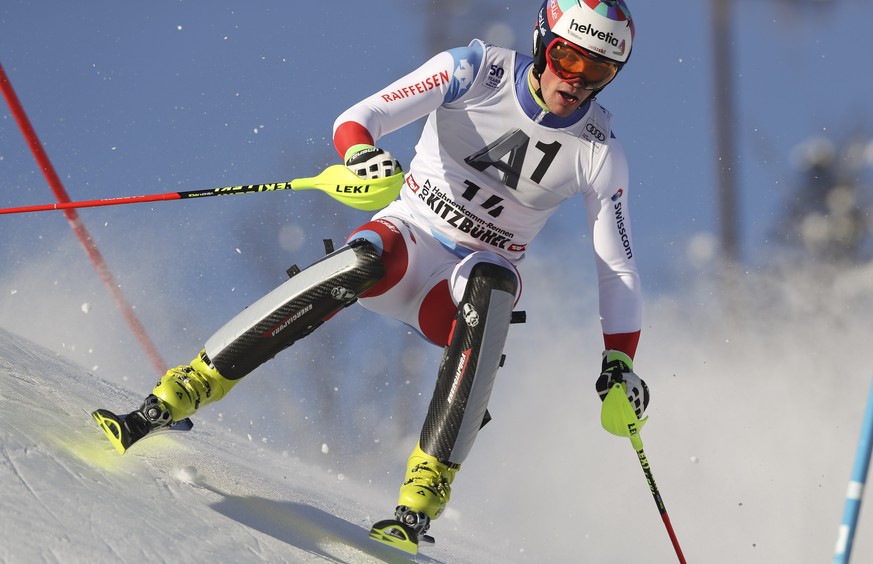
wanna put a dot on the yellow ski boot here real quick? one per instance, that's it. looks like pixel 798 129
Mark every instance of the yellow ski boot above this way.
pixel 177 395
pixel 423 497
pixel 426 490
pixel 184 389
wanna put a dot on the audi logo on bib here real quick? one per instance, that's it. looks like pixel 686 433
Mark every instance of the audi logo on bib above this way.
pixel 592 129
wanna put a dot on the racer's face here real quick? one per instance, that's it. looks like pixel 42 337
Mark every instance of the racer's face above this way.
pixel 563 97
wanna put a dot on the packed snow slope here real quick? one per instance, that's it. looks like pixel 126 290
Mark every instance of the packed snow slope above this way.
pixel 196 497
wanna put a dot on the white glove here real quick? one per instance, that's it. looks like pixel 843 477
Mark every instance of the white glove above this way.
pixel 370 162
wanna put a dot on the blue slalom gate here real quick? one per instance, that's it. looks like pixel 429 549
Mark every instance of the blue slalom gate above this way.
pixel 855 491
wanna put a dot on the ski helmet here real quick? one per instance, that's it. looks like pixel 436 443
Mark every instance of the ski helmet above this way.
pixel 603 28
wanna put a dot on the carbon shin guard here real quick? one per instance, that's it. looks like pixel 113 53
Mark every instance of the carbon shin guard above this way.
pixel 469 364
pixel 294 309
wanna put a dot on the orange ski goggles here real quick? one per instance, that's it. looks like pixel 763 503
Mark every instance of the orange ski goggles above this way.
pixel 571 63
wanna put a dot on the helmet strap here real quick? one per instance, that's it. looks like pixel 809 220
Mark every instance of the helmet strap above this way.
pixel 536 89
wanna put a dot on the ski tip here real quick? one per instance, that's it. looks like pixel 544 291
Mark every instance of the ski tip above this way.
pixel 395 534
pixel 111 425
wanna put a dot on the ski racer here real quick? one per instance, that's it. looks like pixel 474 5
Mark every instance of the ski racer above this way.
pixel 508 138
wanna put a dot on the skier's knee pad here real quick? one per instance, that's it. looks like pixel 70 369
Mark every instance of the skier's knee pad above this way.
pixel 464 272
pixel 470 363
pixel 294 309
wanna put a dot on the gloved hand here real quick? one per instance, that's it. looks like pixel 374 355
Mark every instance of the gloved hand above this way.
pixel 370 162
pixel 618 367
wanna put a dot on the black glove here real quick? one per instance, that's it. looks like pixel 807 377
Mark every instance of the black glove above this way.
pixel 618 367
pixel 370 162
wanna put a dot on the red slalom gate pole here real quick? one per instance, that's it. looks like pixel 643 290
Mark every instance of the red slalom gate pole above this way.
pixel 76 224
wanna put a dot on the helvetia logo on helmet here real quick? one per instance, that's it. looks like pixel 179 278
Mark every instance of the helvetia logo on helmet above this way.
pixel 588 29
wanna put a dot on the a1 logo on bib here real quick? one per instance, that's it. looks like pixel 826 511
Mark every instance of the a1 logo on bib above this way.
pixel 471 316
